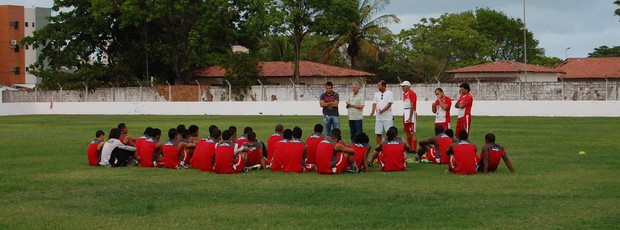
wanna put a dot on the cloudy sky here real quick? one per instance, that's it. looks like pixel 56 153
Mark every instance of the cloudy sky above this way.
pixel 581 25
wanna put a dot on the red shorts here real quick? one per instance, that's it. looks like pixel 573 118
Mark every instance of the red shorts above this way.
pixel 341 164
pixel 410 127
pixel 239 165
pixel 433 156
pixel 309 167
pixel 463 123
pixel 446 125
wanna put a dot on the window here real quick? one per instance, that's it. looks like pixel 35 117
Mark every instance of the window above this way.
pixel 25 24
pixel 32 24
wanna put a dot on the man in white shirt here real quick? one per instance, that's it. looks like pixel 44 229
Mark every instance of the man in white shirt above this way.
pixel 382 106
pixel 355 105
pixel 114 152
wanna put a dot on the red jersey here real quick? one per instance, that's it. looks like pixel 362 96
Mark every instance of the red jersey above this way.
pixel 292 160
pixel 443 115
pixel 277 155
pixel 241 140
pixel 171 154
pixel 495 156
pixel 254 155
pixel 271 145
pixel 313 142
pixel 360 153
pixel 443 144
pixel 466 100
pixel 325 153
pixel 92 153
pixel 147 152
pixel 464 160
pixel 204 155
pixel 139 143
pixel 393 156
pixel 226 161
pixel 409 97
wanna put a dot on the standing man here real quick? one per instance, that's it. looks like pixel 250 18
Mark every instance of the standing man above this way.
pixel 355 105
pixel 409 114
pixel 329 102
pixel 382 106
pixel 441 109
pixel 464 107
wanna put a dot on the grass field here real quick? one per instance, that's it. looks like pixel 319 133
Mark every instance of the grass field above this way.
pixel 46 183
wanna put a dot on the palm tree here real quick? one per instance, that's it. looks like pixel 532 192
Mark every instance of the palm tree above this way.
pixel 362 36
pixel 617 2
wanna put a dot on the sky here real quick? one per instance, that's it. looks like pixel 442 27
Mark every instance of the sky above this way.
pixel 581 25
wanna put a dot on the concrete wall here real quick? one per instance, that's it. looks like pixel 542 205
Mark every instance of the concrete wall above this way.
pixel 106 94
pixel 531 76
pixel 481 108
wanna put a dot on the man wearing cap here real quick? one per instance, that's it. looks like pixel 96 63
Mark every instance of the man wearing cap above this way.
pixel 382 106
pixel 409 114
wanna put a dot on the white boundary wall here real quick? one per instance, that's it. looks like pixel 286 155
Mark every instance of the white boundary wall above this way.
pixel 481 108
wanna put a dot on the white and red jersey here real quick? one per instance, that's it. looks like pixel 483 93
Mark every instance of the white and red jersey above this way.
pixel 466 100
pixel 443 115
pixel 409 97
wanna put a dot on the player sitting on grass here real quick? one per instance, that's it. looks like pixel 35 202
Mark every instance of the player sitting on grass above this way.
pixel 115 153
pixel 124 137
pixel 204 153
pixel 362 148
pixel 332 157
pixel 175 150
pixel 279 150
pixel 313 141
pixel 450 134
pixel 150 150
pixel 140 140
pixel 436 147
pixel 293 160
pixel 243 138
pixel 226 160
pixel 94 148
pixel 391 152
pixel 491 155
pixel 233 131
pixel 255 151
pixel 271 142
pixel 463 157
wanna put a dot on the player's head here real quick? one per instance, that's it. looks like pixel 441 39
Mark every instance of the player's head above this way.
pixel 114 133
pixel 156 133
pixel 439 129
pixel 463 135
pixel 99 134
pixel 211 128
pixel 297 132
pixel 215 134
pixel 450 133
pixel 279 128
pixel 489 138
pixel 193 130
pixel 252 136
pixel 406 86
pixel 439 92
pixel 247 130
pixel 147 131
pixel 232 129
pixel 172 133
pixel 318 128
pixel 464 88
pixel 391 134
pixel 180 128
pixel 361 138
pixel 329 87
pixel 122 128
pixel 336 134
pixel 395 130
pixel 382 85
pixel 288 134
pixel 184 134
pixel 355 87
pixel 226 135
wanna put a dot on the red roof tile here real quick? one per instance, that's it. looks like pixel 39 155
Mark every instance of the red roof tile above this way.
pixel 591 67
pixel 503 67
pixel 285 69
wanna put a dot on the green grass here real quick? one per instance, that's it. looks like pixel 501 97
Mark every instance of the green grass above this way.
pixel 45 182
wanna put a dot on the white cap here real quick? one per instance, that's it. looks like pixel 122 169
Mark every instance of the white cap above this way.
pixel 405 83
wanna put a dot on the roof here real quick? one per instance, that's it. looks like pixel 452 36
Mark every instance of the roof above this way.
pixel 285 69
pixel 608 67
pixel 504 67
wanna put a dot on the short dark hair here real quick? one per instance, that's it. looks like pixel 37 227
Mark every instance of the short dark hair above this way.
pixel 361 138
pixel 391 134
pixel 148 131
pixel 288 134
pixel 216 133
pixel 172 133
pixel 450 133
pixel 180 128
pixel 438 129
pixel 156 132
pixel 232 129
pixel 279 128
pixel 329 83
pixel 393 128
pixel 252 136
pixel 211 128
pixel 226 135
pixel 383 82
pixel 247 130
pixel 463 135
pixel 490 137
pixel 465 86
pixel 114 133
pixel 121 126
pixel 336 134
pixel 318 128
pixel 193 129
pixel 439 89
pixel 185 134
pixel 99 133
pixel 297 132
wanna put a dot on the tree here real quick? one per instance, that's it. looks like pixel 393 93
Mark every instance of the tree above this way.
pixel 242 71
pixel 302 17
pixel 617 11
pixel 363 33
pixel 605 51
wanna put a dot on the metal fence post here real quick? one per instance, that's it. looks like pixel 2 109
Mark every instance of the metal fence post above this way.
pixel 262 90
pixel 113 92
pixel 60 95
pixel 199 90
pixel 140 89
pixel 229 91
pixel 606 88
pixel 169 91
pixel 294 90
pixel 86 91
pixel 36 94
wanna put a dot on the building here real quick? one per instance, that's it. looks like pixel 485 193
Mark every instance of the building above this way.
pixel 17 22
pixel 280 73
pixel 506 71
pixel 591 69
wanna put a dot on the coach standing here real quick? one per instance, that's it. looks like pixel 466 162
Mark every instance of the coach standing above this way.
pixel 329 102
pixel 382 106
pixel 355 106
pixel 463 106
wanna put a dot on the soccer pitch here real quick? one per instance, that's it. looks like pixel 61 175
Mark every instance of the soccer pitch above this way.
pixel 46 183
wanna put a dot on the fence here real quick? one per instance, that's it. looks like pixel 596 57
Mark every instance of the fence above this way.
pixel 490 91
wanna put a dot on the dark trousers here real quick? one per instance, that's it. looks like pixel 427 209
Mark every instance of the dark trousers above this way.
pixel 355 126
pixel 119 157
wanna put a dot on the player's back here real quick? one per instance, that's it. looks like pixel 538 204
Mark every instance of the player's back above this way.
pixel 92 153
pixel 496 152
pixel 147 152
pixel 313 142
pixel 465 159
pixel 271 145
pixel 171 153
pixel 325 156
pixel 292 159
pixel 254 153
pixel 443 143
pixel 277 156
pixel 205 155
pixel 360 153
pixel 224 158
pixel 393 155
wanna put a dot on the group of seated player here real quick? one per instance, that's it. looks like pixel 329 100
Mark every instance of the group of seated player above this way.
pixel 223 152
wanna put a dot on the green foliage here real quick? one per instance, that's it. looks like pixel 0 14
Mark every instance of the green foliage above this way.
pixel 617 11
pixel 605 51
pixel 242 71
pixel 550 62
